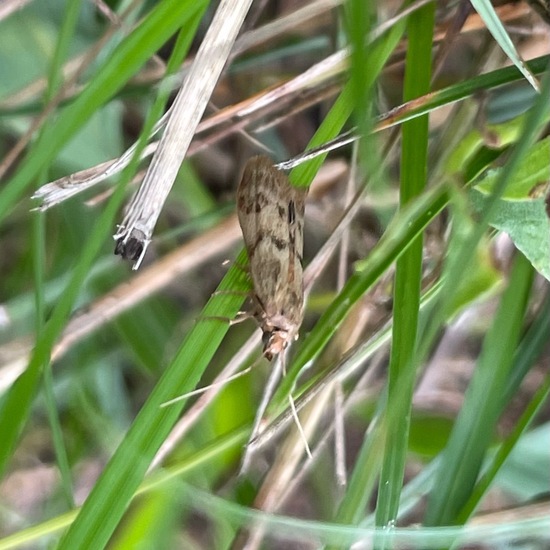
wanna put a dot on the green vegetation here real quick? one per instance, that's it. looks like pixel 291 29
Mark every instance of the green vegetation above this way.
pixel 427 343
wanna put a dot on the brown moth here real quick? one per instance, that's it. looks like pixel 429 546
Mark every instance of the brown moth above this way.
pixel 271 215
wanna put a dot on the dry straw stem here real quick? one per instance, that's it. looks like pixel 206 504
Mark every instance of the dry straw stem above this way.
pixel 57 191
pixel 239 115
pixel 279 477
pixel 62 189
pixel 186 112
pixel 288 472
pixel 364 390
pixel 242 113
pixel 293 20
pixel 188 420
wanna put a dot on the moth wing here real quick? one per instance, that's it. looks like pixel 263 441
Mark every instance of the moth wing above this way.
pixel 253 194
pixel 271 215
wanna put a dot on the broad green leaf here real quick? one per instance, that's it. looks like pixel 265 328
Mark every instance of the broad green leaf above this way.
pixel 521 212
pixel 531 180
pixel 527 224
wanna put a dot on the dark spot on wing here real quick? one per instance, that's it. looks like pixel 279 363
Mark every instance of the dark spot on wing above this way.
pixel 282 212
pixel 279 243
pixel 291 212
pixel 244 206
pixel 261 200
pixel 292 238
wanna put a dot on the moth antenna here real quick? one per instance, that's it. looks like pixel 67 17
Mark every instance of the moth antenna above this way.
pixel 266 397
pixel 299 426
pixel 210 386
pixel 295 416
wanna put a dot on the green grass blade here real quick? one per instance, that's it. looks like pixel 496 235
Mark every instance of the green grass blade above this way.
pixel 460 91
pixel 471 435
pixel 117 485
pixel 61 53
pixel 402 367
pixel 333 123
pixel 496 28
pixel 324 329
pixel 529 350
pixel 461 259
pixel 15 406
pixel 131 54
pixel 539 399
pixel 406 226
pixel 199 459
pixel 532 345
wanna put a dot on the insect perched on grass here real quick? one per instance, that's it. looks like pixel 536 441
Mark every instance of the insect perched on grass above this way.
pixel 271 215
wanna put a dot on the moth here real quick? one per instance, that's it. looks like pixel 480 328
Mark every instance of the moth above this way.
pixel 271 216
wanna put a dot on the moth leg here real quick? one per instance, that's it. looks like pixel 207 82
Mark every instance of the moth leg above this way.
pixel 232 292
pixel 242 316
pixel 243 268
pixel 239 318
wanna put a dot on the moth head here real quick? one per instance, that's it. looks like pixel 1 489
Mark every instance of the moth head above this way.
pixel 275 341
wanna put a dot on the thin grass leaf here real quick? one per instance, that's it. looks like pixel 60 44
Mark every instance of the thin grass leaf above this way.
pixel 496 28
pixel 460 91
pixel 168 475
pixel 532 345
pixel 408 273
pixel 15 406
pixel 130 55
pixel 61 53
pixel 331 126
pixel 530 348
pixel 504 450
pixel 460 261
pixel 117 485
pixel 471 435
pixel 285 528
pixel 328 323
